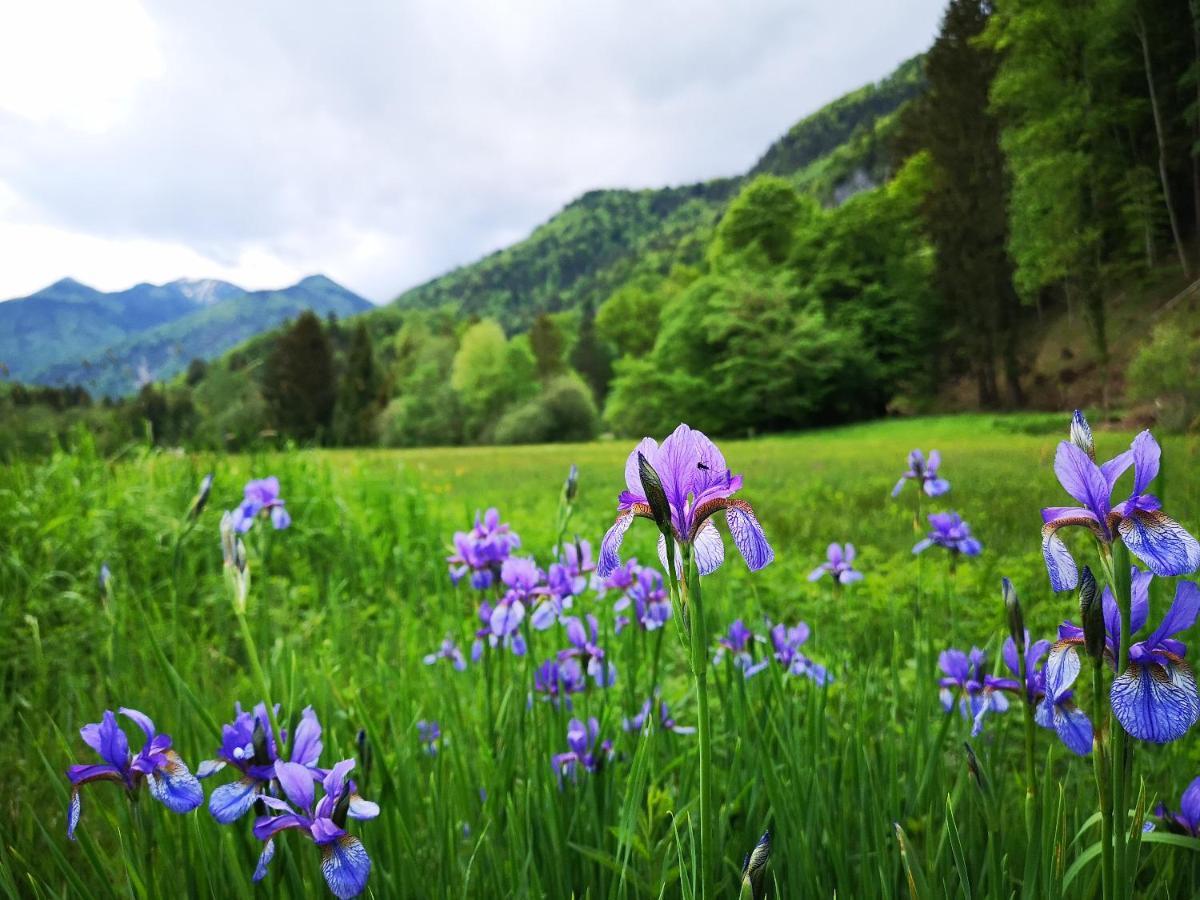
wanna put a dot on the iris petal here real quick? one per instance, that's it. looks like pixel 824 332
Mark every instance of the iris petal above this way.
pixel 174 786
pixel 346 866
pixel 306 746
pixel 1160 542
pixel 748 535
pixel 1155 703
pixel 1074 728
pixel 230 802
pixel 709 549
pixel 610 547
pixel 1060 564
pixel 264 860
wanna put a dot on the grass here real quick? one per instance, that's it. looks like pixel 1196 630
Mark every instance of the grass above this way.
pixel 864 784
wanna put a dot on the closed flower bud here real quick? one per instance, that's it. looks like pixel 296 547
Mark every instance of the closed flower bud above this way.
pixel 973 767
pixel 1081 435
pixel 656 497
pixel 754 868
pixel 201 498
pixel 1016 621
pixel 1091 609
pixel 571 488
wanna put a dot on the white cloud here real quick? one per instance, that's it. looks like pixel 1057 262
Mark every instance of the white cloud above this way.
pixel 385 142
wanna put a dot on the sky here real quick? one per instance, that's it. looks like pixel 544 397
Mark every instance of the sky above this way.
pixel 383 143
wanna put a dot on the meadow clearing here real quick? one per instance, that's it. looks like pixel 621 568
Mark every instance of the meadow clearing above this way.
pixel 862 779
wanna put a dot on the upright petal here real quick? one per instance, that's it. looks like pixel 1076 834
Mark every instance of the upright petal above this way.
pixel 677 468
pixel 935 487
pixel 1146 457
pixel 346 866
pixel 1155 703
pixel 1189 804
pixel 141 719
pixel 1181 615
pixel 610 547
pixel 1082 479
pixel 297 783
pixel 174 786
pixel 1160 542
pixel 335 780
pixel 648 447
pixel 306 743
pixel 230 802
pixel 748 535
pixel 114 746
pixel 1060 564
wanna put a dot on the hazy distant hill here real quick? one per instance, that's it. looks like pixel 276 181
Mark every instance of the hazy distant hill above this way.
pixel 69 333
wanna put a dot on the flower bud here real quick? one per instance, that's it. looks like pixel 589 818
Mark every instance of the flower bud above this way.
pixel 259 738
pixel 973 767
pixel 201 498
pixel 655 495
pixel 342 809
pixel 1081 435
pixel 571 488
pixel 754 868
pixel 105 579
pixel 1091 610
pixel 1016 621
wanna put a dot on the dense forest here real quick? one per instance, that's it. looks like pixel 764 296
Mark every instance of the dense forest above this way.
pixel 999 224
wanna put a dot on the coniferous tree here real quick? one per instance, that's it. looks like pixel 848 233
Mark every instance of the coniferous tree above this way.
pixel 590 358
pixel 298 381
pixel 547 343
pixel 358 393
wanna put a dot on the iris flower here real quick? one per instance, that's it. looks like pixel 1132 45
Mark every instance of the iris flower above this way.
pixel 950 531
pixel 585 750
pixel 1155 698
pixel 344 860
pixel 787 642
pixel 651 606
pixel 619 579
pixel 482 551
pixel 924 473
pixel 964 679
pixel 838 565
pixel 449 650
pixel 585 646
pixel 556 679
pixel 430 732
pixel 1187 820
pixel 697 485
pixel 1157 540
pixel 165 775
pixel 665 722
pixel 737 643
pixel 248 744
pixel 261 497
pixel 501 628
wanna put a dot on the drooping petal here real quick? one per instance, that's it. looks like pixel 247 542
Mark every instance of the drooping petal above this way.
pixel 209 767
pixel 1060 564
pixel 362 809
pixel 297 783
pixel 280 517
pixel 1189 803
pixel 1160 542
pixel 264 860
pixel 306 743
pixel 922 545
pixel 899 486
pixel 817 573
pixel 1074 728
pixel 935 487
pixel 98 772
pixel 610 547
pixel 141 719
pixel 1155 703
pixel 849 576
pixel 346 866
pixel 74 809
pixel 174 786
pixel 230 802
pixel 748 535
pixel 1062 668
pixel 708 549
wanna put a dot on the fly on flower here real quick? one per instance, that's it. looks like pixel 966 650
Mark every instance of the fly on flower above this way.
pixel 1160 542
pixel 248 744
pixel 156 764
pixel 1155 699
pixel 261 497
pixel 924 473
pixel 697 484
pixel 838 565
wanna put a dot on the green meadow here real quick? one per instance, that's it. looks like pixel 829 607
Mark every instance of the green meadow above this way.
pixel 864 783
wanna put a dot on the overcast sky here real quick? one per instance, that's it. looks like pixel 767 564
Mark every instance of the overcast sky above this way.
pixel 382 143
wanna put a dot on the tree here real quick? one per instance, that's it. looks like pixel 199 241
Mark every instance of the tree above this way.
pixel 590 358
pixel 358 400
pixel 298 380
pixel 547 344
pixel 628 319
pixel 762 219
pixel 490 374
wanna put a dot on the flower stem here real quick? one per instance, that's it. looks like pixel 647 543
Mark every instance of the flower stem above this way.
pixel 699 639
pixel 1122 590
pixel 1103 788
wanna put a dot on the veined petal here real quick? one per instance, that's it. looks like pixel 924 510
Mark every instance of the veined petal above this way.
pixel 1060 564
pixel 708 549
pixel 267 826
pixel 610 559
pixel 1155 703
pixel 748 535
pixel 174 786
pixel 297 782
pixel 1074 728
pixel 1146 456
pixel 1160 542
pixel 648 447
pixel 264 860
pixel 1082 479
pixel 1062 668
pixel 230 802
pixel 74 809
pixel 346 866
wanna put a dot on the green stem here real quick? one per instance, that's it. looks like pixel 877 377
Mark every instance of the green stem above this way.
pixel 1103 788
pixel 699 636
pixel 1117 569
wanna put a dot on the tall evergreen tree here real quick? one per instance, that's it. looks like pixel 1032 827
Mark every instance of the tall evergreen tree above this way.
pixel 547 344
pixel 590 357
pixel 358 393
pixel 298 380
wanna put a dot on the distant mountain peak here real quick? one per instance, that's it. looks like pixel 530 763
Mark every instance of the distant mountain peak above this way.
pixel 205 291
pixel 318 281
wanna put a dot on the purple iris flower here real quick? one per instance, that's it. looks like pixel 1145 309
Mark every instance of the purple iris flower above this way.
pixel 950 531
pixel 501 628
pixel 665 722
pixel 449 650
pixel 166 776
pixel 585 646
pixel 430 732
pixel 697 484
pixel 1155 699
pixel 1157 540
pixel 651 605
pixel 344 860
pixel 482 551
pixel 557 679
pixel 787 642
pixel 620 579
pixel 248 744
pixel 737 642
pixel 839 565
pixel 924 473
pixel 261 496
pixel 586 751
pixel 977 692
pixel 1187 820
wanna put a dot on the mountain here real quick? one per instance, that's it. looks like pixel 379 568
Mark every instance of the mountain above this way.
pixel 69 333
pixel 600 240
